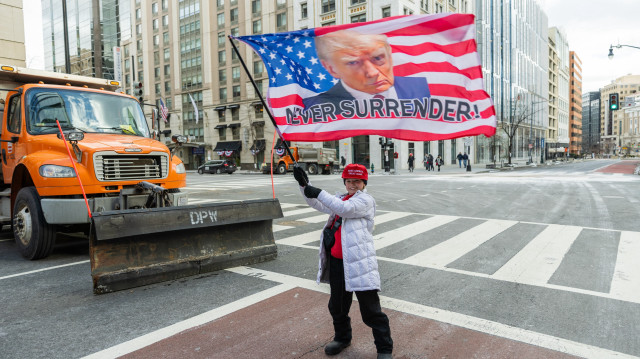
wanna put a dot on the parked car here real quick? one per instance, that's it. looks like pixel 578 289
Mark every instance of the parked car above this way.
pixel 217 166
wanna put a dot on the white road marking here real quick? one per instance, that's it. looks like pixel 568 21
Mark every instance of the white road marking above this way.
pixel 453 318
pixel 391 237
pixel 316 219
pixel 448 251
pixel 166 332
pixel 626 277
pixel 278 228
pixel 298 211
pixel 43 269
pixel 540 258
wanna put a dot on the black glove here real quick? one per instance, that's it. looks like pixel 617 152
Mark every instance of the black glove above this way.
pixel 312 192
pixel 300 176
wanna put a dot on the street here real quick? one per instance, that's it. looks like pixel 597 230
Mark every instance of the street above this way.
pixel 534 262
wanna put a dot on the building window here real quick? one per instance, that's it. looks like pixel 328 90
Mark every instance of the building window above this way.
pixel 139 29
pixel 156 24
pixel 165 38
pixel 256 7
pixel 222 75
pixel 235 114
pixel 165 21
pixel 222 116
pixel 235 32
pixel 223 94
pixel 235 73
pixel 167 87
pixel 407 11
pixel 236 91
pixel 165 4
pixel 167 54
pixel 154 8
pixel 258 68
pixel 233 16
pixel 359 18
pixel 221 19
pixel 281 20
pixel 257 27
pixel 157 88
pixel 281 3
pixel 235 133
pixel 386 11
pixel 222 57
pixel 138 14
pixel 328 5
pixel 259 129
pixel 156 40
pixel 356 2
pixel 156 72
pixel 220 3
pixel 167 70
pixel 303 10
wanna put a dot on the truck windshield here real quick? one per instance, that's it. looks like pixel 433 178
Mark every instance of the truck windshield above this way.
pixel 85 111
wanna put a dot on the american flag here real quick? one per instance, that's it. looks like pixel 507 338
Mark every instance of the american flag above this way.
pixel 441 48
pixel 164 111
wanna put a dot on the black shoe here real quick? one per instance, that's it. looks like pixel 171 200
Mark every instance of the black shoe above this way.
pixel 384 356
pixel 335 347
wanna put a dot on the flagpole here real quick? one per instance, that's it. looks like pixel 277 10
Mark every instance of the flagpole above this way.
pixel 255 86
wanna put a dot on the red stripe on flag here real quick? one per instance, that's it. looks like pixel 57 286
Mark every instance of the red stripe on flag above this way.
pixel 284 101
pixel 435 26
pixel 457 91
pixel 406 135
pixel 410 69
pixel 456 49
pixel 319 31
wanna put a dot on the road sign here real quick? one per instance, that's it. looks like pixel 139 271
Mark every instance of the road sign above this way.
pixel 468 141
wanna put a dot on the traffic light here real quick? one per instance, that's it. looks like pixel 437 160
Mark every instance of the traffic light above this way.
pixel 381 141
pixel 139 91
pixel 613 102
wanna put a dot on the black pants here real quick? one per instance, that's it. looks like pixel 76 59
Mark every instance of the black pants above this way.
pixel 372 315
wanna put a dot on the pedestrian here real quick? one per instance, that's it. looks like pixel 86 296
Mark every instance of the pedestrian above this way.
pixel 410 162
pixel 343 161
pixel 431 163
pixel 465 158
pixel 347 257
pixel 439 162
pixel 460 159
pixel 426 162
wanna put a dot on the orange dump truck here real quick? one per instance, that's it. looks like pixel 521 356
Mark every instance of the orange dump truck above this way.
pixel 141 229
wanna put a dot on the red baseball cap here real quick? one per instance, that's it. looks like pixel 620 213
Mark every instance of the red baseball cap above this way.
pixel 354 170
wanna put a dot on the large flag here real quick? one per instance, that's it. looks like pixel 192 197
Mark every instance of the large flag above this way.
pixel 195 108
pixel 164 111
pixel 414 78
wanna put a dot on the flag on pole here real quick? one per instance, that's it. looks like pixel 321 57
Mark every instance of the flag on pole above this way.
pixel 416 78
pixel 164 111
pixel 195 108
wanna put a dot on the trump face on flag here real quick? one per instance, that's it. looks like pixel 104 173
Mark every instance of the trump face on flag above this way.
pixel 364 65
pixel 414 78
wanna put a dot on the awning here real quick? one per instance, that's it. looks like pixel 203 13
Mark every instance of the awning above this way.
pixel 233 125
pixel 256 103
pixel 234 106
pixel 220 108
pixel 220 126
pixel 279 143
pixel 258 145
pixel 258 123
pixel 228 146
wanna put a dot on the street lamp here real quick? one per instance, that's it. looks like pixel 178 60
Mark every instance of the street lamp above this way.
pixel 610 56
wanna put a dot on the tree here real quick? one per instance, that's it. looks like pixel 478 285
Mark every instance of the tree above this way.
pixel 520 115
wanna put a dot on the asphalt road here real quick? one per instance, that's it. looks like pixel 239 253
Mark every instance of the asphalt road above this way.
pixel 529 263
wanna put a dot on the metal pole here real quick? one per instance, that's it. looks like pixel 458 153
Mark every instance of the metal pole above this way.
pixel 255 86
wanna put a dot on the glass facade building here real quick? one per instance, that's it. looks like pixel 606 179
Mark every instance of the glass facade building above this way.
pixel 513 47
pixel 591 123
pixel 79 35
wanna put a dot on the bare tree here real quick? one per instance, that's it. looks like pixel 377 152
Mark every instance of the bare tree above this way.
pixel 520 115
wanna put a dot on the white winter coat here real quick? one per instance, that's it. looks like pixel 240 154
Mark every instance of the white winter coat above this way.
pixel 358 251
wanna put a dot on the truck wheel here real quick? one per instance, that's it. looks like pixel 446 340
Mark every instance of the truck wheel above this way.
pixel 312 169
pixel 200 171
pixel 34 236
pixel 282 169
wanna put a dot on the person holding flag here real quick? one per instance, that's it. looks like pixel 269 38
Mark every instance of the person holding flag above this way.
pixel 348 257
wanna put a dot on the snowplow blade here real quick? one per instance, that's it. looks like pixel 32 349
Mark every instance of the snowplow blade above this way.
pixel 132 248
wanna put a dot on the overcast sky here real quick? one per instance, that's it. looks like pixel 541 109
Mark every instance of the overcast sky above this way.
pixel 591 27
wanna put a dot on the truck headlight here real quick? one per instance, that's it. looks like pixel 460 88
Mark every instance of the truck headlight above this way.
pixel 56 171
pixel 180 168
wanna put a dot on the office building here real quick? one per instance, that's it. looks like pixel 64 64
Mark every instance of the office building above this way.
pixel 612 122
pixel 575 103
pixel 12 34
pixel 80 36
pixel 591 123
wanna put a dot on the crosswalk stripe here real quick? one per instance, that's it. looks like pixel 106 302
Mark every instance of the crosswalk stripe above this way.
pixel 540 258
pixel 448 251
pixel 301 239
pixel 398 235
pixel 278 228
pixel 316 219
pixel 626 277
pixel 298 211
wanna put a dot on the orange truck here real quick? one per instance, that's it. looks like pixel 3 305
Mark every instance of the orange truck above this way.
pixel 311 159
pixel 140 227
